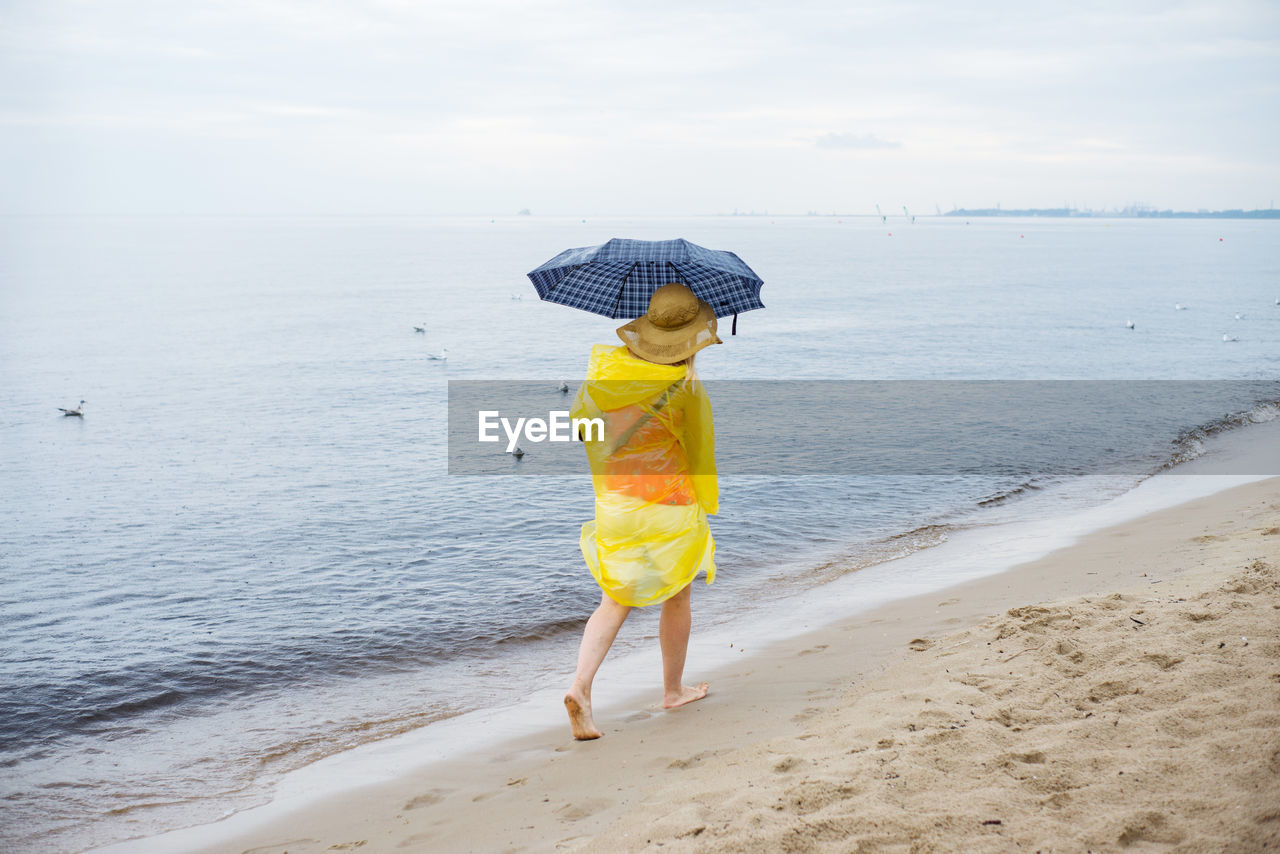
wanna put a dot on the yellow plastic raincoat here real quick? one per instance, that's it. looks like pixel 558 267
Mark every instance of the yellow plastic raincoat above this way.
pixel 654 476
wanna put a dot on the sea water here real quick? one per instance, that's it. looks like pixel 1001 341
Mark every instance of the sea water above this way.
pixel 248 555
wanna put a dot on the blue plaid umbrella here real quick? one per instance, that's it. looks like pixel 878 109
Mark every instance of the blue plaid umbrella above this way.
pixel 617 278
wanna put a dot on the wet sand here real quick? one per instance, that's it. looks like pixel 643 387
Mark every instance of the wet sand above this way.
pixel 1119 694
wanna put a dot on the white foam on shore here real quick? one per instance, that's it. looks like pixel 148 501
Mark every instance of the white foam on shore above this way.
pixel 969 554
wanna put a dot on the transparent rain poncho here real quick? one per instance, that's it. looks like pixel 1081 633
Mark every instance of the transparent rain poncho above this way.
pixel 654 476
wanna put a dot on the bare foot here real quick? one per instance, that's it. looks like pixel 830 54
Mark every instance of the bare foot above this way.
pixel 686 695
pixel 584 728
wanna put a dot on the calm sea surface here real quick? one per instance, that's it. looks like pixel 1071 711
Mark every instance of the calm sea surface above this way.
pixel 247 555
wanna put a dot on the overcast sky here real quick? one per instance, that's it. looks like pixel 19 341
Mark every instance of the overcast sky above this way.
pixel 483 107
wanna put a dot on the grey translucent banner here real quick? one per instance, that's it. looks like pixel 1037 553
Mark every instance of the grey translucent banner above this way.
pixel 891 427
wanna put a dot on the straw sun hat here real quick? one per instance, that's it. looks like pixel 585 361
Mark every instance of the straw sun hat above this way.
pixel 677 326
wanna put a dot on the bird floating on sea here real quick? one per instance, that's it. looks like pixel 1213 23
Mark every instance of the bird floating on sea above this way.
pixel 1129 324
pixel 1177 306
pixel 78 412
pixel 563 388
pixel 421 330
pixel 518 452
pixel 516 297
pixel 1239 316
pixel 442 356
pixel 1229 338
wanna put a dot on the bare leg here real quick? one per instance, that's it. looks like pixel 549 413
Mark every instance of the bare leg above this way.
pixel 598 636
pixel 673 634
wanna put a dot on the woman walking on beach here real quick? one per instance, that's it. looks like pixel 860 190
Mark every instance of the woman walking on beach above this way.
pixel 655 482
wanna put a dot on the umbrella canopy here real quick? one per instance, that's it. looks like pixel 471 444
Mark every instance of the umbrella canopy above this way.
pixel 617 278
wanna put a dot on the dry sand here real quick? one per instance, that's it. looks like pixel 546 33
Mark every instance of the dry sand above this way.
pixel 1136 708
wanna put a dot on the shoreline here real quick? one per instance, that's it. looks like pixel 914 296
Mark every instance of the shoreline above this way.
pixel 761 695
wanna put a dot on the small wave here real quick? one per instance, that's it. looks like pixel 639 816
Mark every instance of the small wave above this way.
pixel 159 700
pixel 1189 444
pixel 145 805
pixel 1004 495
pixel 304 750
pixel 542 631
pixel 876 552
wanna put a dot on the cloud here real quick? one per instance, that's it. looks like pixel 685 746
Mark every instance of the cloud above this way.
pixel 853 140
pixel 463 107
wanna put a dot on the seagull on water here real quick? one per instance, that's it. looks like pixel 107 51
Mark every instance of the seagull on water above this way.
pixel 1229 338
pixel 516 297
pixel 1177 306
pixel 78 412
pixel 442 356
pixel 421 330
pixel 1129 324
pixel 518 452
pixel 563 388
pixel 1239 316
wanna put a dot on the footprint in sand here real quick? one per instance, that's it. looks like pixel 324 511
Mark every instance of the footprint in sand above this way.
pixel 787 763
pixel 1163 660
pixel 348 846
pixel 809 796
pixel 418 842
pixel 1109 690
pixel 635 717
pixel 811 650
pixel 801 717
pixel 582 809
pixel 689 762
pixel 1149 826
pixel 919 644
pixel 426 799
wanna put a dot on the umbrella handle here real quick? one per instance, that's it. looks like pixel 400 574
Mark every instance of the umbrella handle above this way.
pixel 735 324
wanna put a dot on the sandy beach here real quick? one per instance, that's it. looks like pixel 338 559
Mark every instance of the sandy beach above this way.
pixel 1119 694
